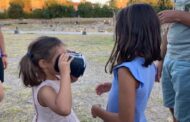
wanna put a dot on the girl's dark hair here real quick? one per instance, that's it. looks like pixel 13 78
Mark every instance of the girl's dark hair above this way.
pixel 42 48
pixel 137 33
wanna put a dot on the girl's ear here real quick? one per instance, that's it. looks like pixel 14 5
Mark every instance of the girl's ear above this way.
pixel 42 63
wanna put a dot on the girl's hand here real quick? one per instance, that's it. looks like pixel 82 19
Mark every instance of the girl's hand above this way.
pixel 64 64
pixel 94 110
pixel 5 62
pixel 159 65
pixel 73 79
pixel 102 88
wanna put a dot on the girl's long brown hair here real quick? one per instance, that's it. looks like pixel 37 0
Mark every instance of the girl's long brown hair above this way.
pixel 29 69
pixel 137 33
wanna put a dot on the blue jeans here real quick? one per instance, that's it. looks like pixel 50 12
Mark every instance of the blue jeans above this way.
pixel 176 87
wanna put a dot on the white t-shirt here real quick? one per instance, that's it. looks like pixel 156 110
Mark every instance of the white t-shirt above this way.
pixel 45 114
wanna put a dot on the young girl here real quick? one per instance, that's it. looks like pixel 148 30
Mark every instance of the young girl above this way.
pixel 137 45
pixel 51 93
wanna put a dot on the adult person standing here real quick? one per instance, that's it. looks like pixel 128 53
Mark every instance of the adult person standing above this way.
pixel 3 57
pixel 176 66
pixel 3 63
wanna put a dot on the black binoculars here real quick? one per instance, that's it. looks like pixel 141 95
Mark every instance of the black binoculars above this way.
pixel 77 66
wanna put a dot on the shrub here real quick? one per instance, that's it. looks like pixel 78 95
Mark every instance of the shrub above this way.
pixel 57 11
pixel 85 9
pixel 3 15
pixel 37 13
pixel 94 10
pixel 15 11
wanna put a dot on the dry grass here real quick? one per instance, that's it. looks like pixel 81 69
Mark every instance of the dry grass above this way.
pixel 17 106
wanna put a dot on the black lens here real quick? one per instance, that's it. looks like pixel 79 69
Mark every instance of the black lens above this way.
pixel 77 65
pixel 56 66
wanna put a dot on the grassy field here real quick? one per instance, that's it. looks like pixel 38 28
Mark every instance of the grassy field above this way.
pixel 17 105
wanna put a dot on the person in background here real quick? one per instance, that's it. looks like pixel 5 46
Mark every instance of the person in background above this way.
pixel 176 61
pixel 3 63
pixel 3 57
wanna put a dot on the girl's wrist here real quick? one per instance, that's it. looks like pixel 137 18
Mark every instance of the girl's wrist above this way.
pixel 65 76
pixel 4 55
pixel 64 73
pixel 98 110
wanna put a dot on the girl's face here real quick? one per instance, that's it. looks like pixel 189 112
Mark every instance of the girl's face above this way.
pixel 58 51
pixel 50 71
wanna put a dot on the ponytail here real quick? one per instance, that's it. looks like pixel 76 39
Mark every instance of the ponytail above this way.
pixel 29 72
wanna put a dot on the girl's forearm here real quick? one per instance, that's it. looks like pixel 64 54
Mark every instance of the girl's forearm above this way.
pixel 1 91
pixel 107 116
pixel 64 97
pixel 2 44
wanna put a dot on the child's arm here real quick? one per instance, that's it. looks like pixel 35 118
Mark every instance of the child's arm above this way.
pixel 97 111
pixel 3 51
pixel 60 102
pixel 1 91
pixel 103 88
pixel 127 93
pixel 159 64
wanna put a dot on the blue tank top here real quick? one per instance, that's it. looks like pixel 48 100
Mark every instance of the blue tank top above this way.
pixel 146 78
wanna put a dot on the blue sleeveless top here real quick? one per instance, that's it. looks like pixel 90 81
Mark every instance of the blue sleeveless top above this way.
pixel 146 78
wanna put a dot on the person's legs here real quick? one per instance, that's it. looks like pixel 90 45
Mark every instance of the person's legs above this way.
pixel 167 86
pixel 181 84
pixel 1 71
pixel 1 91
pixel 172 112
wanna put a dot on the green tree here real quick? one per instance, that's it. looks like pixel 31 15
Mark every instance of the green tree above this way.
pixel 112 4
pixel 37 13
pixel 15 11
pixel 3 15
pixel 164 4
pixel 85 9
pixel 107 11
pixel 57 11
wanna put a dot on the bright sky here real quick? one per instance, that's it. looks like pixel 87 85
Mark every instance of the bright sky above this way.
pixel 94 1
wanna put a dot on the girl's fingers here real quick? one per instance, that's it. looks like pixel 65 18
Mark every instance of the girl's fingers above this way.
pixel 69 60
pixel 64 57
pixel 98 93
